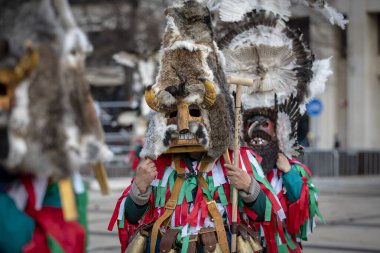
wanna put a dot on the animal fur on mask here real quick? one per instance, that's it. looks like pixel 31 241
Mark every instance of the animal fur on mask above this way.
pixel 52 128
pixel 189 60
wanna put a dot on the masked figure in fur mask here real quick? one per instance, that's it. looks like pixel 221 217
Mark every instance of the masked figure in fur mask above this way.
pixel 180 199
pixel 284 76
pixel 48 127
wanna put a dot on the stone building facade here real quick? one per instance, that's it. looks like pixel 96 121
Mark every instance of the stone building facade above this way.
pixel 351 101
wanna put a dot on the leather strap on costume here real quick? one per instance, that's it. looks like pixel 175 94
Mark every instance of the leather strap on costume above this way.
pixel 169 206
pixel 214 213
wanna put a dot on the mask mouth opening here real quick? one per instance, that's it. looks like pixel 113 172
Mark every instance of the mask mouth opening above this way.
pixel 259 138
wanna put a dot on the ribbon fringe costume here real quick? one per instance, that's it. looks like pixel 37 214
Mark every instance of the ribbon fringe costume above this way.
pixel 191 211
pixel 283 76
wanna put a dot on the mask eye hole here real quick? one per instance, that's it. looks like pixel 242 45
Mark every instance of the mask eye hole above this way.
pixel 3 90
pixel 194 111
pixel 173 114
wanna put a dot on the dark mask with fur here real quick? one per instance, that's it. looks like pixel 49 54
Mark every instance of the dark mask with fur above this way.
pixel 191 103
pixel 51 123
pixel 260 135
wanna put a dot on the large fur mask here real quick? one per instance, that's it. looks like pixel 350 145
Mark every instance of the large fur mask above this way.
pixel 191 103
pixel 49 123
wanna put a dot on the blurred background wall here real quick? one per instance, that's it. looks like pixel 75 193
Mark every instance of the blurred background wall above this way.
pixel 350 116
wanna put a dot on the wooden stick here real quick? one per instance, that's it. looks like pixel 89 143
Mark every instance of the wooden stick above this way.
pixel 66 193
pixel 238 81
pixel 101 175
pixel 236 163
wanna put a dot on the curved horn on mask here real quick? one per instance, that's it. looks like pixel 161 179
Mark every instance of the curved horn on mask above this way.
pixel 65 13
pixel 151 99
pixel 210 92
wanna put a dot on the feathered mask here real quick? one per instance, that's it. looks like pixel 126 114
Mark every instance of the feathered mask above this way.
pixel 261 47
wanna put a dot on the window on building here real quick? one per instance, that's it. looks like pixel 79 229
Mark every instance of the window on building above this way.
pixel 342 37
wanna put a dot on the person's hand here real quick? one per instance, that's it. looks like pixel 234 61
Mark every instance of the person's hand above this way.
pixel 146 172
pixel 239 178
pixel 283 163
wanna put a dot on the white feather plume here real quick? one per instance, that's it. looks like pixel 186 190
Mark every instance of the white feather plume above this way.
pixel 321 70
pixel 283 131
pixel 235 10
pixel 332 15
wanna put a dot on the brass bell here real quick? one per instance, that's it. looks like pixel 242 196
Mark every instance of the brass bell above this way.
pixel 138 244
pixel 243 246
pixel 255 245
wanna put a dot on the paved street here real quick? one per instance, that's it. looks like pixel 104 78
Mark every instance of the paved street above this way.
pixel 350 205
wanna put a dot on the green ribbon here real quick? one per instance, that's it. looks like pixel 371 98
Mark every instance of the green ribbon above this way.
pixel 262 180
pixel 304 231
pixel 171 179
pixel 53 245
pixel 268 210
pixel 240 204
pixel 283 248
pixel 302 171
pixel 290 242
pixel 192 183
pixel 222 196
pixel 211 187
pixel 121 223
pixel 185 244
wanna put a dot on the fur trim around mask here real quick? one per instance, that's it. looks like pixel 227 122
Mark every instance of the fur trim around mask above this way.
pixel 284 135
pixel 19 121
pixel 154 137
pixel 220 128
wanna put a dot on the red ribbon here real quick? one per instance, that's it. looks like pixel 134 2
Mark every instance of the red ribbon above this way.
pixel 50 221
pixel 293 160
pixel 184 210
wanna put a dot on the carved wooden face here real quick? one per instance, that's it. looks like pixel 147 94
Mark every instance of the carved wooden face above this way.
pixel 190 134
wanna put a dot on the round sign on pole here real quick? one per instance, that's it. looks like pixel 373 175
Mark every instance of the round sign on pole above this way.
pixel 314 107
